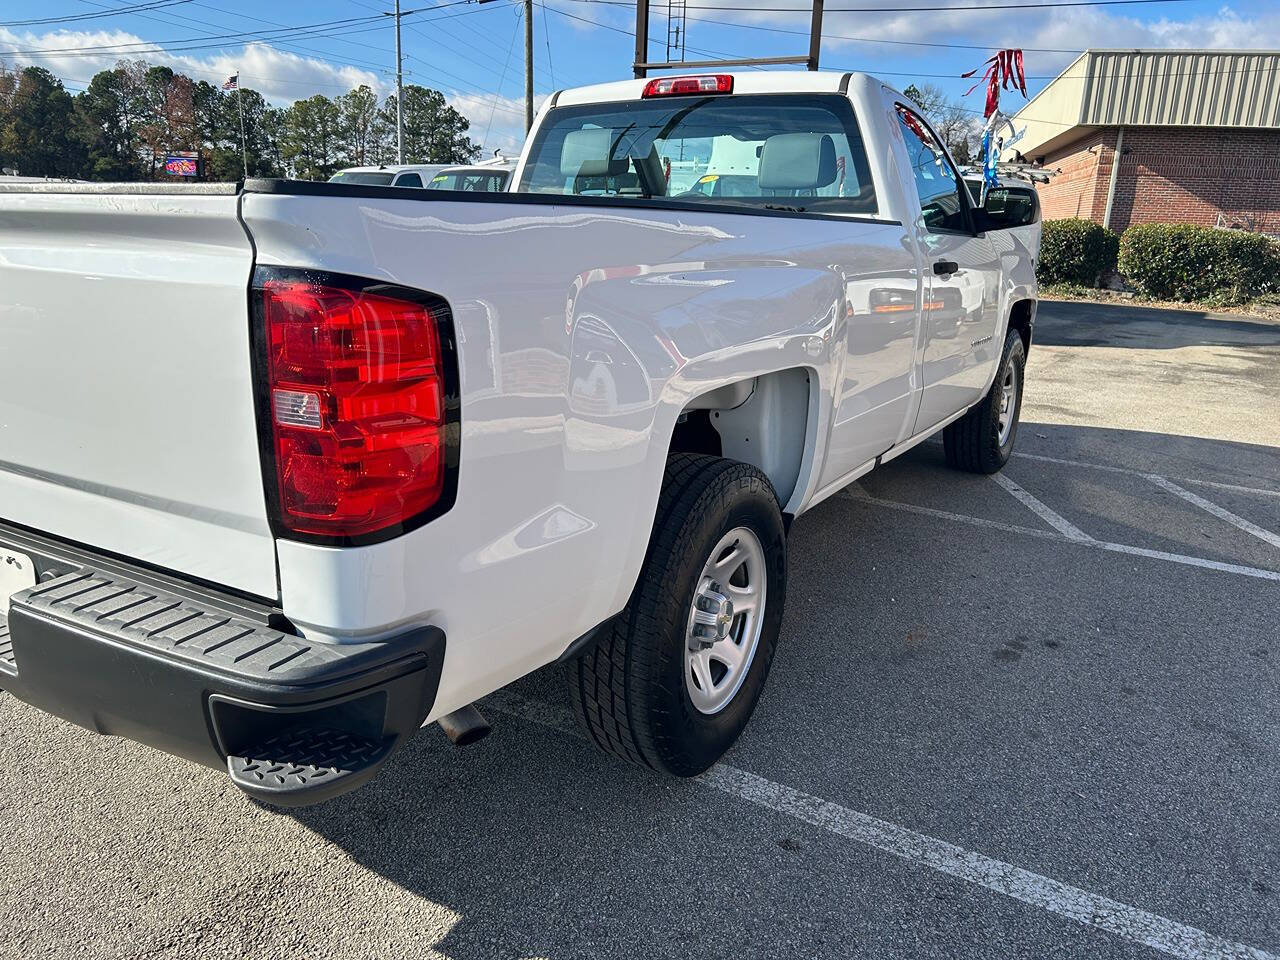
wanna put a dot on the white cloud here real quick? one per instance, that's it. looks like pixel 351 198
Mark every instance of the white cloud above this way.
pixel 496 122
pixel 279 75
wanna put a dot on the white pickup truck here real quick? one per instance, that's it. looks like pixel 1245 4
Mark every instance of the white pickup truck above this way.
pixel 289 469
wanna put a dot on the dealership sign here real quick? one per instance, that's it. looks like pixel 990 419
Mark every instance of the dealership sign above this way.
pixel 183 164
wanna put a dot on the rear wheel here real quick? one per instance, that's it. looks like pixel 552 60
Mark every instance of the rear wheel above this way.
pixel 674 679
pixel 982 440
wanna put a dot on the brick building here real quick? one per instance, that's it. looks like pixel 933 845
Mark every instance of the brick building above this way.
pixel 1196 133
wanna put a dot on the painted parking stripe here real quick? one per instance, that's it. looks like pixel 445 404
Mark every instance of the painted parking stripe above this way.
pixel 1234 487
pixel 1041 509
pixel 861 496
pixel 1220 512
pixel 1091 909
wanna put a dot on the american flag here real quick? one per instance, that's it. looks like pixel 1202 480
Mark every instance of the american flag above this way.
pixel 232 82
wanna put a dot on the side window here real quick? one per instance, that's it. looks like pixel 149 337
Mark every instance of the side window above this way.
pixel 936 182
pixel 409 180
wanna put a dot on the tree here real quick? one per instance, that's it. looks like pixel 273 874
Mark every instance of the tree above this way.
pixel 357 113
pixel 958 127
pixel 37 128
pixel 310 140
pixel 169 116
pixel 106 123
pixel 130 117
pixel 434 132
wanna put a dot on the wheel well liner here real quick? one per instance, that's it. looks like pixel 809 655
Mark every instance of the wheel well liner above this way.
pixel 1022 318
pixel 768 429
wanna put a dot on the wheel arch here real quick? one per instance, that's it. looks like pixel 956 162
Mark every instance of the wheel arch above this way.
pixel 768 421
pixel 1022 316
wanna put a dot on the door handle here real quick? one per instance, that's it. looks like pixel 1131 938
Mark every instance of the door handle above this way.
pixel 944 267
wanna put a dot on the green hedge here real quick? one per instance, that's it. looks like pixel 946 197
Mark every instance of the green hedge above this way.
pixel 1184 262
pixel 1076 251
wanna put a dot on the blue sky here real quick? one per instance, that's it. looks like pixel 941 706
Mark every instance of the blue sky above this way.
pixel 475 53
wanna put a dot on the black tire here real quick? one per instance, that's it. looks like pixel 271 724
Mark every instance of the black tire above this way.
pixel 972 443
pixel 628 690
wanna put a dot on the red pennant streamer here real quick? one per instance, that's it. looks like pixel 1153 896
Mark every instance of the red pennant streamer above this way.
pixel 1002 70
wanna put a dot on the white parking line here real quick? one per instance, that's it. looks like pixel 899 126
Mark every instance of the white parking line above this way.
pixel 1235 487
pixel 1041 510
pixel 1221 513
pixel 862 496
pixel 1124 921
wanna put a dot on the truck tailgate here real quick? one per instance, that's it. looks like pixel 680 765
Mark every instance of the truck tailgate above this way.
pixel 126 391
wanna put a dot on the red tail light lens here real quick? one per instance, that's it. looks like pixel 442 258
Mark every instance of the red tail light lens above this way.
pixel 683 86
pixel 357 404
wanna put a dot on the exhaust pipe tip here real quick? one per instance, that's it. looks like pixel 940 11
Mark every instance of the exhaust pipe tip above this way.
pixel 465 726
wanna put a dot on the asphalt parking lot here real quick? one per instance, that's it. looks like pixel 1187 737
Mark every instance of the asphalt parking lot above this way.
pixel 1030 716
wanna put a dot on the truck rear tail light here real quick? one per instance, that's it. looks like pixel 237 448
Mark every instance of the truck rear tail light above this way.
pixel 683 86
pixel 360 402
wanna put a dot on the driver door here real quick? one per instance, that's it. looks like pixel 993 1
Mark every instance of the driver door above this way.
pixel 962 280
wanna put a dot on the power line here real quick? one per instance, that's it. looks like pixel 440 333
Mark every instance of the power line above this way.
pixel 900 43
pixel 454 37
pixel 322 28
pixel 547 34
pixel 172 19
pixel 947 8
pixel 118 47
pixel 73 17
pixel 498 95
pixel 902 73
pixel 425 36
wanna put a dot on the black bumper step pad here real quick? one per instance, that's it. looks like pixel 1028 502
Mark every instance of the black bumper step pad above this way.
pixel 307 764
pixel 178 627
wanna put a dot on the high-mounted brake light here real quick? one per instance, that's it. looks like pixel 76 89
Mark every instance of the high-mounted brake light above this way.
pixel 357 404
pixel 682 86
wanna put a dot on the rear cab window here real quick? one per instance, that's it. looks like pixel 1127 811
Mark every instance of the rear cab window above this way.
pixel 800 152
pixel 408 180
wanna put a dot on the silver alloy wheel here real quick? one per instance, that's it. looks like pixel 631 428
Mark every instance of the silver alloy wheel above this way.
pixel 1008 401
pixel 724 620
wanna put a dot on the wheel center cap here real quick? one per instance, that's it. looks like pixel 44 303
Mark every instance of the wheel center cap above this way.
pixel 712 615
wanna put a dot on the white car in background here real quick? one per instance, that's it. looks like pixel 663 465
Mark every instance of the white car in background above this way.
pixel 492 176
pixel 397 175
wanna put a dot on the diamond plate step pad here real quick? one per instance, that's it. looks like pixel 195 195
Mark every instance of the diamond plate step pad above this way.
pixel 307 764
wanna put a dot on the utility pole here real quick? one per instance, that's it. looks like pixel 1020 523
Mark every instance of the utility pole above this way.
pixel 399 92
pixel 528 65
pixel 642 38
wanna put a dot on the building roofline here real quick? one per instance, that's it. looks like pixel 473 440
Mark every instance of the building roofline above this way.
pixel 1183 50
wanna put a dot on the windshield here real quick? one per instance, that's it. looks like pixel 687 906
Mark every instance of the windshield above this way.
pixel 378 179
pixel 779 151
pixel 477 181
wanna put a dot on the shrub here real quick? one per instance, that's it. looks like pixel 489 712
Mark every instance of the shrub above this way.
pixel 1179 261
pixel 1076 251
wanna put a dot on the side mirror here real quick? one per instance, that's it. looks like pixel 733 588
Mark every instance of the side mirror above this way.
pixel 1008 207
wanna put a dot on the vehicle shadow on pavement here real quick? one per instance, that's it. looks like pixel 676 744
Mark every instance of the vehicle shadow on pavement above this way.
pixel 544 847
pixel 917 680
pixel 1062 323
